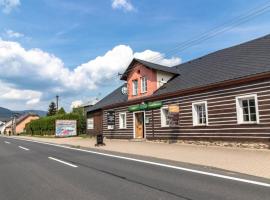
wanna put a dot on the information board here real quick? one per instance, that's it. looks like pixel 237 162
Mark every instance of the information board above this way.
pixel 110 118
pixel 173 115
pixel 65 128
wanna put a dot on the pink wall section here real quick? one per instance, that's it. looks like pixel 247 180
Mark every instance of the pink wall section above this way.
pixel 140 71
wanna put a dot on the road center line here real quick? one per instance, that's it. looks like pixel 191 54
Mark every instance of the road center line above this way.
pixel 156 164
pixel 7 142
pixel 24 148
pixel 61 161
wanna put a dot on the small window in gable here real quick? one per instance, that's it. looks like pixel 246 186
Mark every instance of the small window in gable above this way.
pixel 143 84
pixel 135 87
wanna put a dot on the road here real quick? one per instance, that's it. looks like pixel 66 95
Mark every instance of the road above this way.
pixel 35 171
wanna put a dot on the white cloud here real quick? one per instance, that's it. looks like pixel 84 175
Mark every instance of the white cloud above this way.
pixel 76 104
pixel 122 4
pixel 156 57
pixel 8 92
pixel 12 34
pixel 36 74
pixel 8 5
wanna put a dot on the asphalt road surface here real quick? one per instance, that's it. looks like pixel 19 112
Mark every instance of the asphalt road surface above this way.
pixel 35 171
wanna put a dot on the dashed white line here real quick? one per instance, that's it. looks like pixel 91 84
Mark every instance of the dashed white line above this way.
pixel 7 142
pixel 61 161
pixel 24 148
pixel 156 164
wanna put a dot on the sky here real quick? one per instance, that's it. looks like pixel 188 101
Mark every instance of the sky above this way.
pixel 75 49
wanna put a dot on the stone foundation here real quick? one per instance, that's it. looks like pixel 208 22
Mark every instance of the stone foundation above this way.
pixel 234 144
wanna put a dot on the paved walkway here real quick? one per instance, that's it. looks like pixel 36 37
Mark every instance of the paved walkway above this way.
pixel 248 161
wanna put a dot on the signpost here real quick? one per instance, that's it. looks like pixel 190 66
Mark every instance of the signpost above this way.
pixel 65 128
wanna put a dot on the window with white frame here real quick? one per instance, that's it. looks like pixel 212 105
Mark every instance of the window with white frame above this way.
pixel 122 120
pixel 143 84
pixel 135 87
pixel 200 113
pixel 90 123
pixel 247 109
pixel 164 112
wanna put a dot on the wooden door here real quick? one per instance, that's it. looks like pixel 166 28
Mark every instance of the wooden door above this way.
pixel 139 125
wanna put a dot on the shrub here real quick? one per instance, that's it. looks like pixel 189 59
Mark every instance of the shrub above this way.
pixel 46 125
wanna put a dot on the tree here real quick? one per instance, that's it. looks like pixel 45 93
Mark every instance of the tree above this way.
pixel 78 110
pixel 52 109
pixel 61 111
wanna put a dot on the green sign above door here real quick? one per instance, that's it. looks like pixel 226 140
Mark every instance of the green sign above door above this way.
pixel 145 106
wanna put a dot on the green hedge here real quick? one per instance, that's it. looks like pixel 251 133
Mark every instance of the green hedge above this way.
pixel 46 125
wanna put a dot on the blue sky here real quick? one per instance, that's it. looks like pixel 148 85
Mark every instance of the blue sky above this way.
pixel 75 48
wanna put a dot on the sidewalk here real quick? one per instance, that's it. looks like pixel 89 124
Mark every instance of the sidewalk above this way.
pixel 247 161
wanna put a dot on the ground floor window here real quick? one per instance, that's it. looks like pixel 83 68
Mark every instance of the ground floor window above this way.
pixel 90 123
pixel 247 109
pixel 199 113
pixel 122 120
pixel 164 116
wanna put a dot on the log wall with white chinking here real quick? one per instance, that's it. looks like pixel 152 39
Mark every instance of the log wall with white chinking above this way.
pixel 222 116
pixel 125 133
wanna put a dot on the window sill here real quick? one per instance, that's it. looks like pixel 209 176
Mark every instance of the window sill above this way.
pixel 200 125
pixel 247 123
pixel 165 126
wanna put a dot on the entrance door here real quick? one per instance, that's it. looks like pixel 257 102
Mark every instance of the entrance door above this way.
pixel 139 125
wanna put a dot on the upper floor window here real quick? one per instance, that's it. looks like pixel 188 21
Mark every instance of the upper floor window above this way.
pixel 143 84
pixel 247 109
pixel 122 120
pixel 135 87
pixel 200 114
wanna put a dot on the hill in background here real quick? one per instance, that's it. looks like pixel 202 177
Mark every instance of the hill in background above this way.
pixel 6 114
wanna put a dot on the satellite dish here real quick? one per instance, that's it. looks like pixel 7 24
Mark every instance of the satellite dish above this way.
pixel 124 90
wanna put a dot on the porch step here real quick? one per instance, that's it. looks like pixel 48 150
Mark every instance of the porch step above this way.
pixel 138 140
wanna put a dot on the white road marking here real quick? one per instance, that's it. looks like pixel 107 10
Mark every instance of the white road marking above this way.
pixel 157 164
pixel 7 142
pixel 61 161
pixel 24 148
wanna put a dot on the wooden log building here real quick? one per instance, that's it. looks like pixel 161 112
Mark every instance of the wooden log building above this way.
pixel 224 95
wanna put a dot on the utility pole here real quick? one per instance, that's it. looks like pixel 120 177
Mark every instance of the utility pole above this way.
pixel 14 124
pixel 57 100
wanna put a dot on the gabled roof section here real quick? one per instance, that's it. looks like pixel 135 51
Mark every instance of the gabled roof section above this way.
pixel 115 97
pixel 151 65
pixel 243 60
pixel 233 63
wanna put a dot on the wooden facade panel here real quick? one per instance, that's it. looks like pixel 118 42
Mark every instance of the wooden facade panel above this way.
pixel 222 117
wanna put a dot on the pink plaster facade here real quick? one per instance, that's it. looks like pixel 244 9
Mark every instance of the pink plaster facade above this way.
pixel 139 71
pixel 20 127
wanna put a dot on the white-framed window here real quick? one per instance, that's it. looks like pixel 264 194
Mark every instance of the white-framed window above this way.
pixel 135 87
pixel 200 113
pixel 122 120
pixel 143 84
pixel 247 109
pixel 164 112
pixel 90 123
